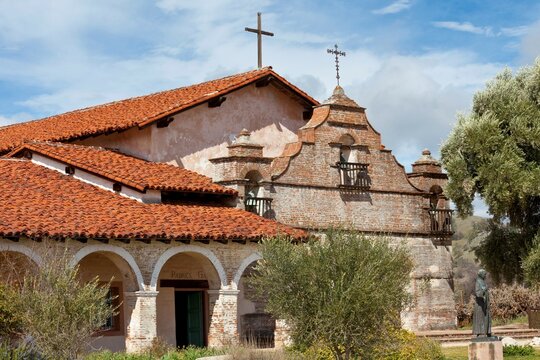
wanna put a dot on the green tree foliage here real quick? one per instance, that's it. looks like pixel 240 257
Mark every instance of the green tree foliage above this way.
pixel 531 264
pixel 58 311
pixel 10 324
pixel 345 291
pixel 494 152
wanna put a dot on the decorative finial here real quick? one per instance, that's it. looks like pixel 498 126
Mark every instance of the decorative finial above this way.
pixel 337 53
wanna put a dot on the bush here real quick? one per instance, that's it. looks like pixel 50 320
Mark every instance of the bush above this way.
pixel 531 264
pixel 411 347
pixel 507 302
pixel 155 352
pixel 10 319
pixel 59 312
pixel 518 350
pixel 345 291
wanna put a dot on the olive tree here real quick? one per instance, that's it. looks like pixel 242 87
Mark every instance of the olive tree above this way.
pixel 345 291
pixel 494 152
pixel 57 311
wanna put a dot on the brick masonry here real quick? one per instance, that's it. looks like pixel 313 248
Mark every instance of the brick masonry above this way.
pixel 304 185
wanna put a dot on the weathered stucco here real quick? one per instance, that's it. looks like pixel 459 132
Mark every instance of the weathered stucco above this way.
pixel 202 133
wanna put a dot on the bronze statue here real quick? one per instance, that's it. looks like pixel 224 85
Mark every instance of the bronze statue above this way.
pixel 481 316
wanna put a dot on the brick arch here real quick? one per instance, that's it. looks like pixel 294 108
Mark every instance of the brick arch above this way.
pixel 188 249
pixel 106 248
pixel 22 249
pixel 343 137
pixel 243 266
pixel 247 168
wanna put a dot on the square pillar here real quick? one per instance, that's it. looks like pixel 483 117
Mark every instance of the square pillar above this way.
pixel 282 336
pixel 223 324
pixel 142 327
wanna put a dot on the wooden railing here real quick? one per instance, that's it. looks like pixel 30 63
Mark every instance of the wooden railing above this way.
pixel 353 175
pixel 258 205
pixel 441 221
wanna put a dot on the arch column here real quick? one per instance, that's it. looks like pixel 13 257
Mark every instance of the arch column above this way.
pixel 142 327
pixel 223 327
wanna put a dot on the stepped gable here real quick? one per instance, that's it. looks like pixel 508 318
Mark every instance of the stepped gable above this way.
pixel 45 203
pixel 138 111
pixel 127 170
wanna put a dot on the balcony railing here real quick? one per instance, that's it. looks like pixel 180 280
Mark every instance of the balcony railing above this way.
pixel 441 221
pixel 258 205
pixel 354 175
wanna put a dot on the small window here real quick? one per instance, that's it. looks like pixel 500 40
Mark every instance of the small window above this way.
pixel 113 325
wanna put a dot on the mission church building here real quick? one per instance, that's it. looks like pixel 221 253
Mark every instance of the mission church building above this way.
pixel 168 194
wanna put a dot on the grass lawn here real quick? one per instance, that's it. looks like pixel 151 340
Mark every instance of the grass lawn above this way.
pixel 460 353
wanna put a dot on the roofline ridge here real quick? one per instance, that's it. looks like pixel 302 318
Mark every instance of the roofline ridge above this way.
pixel 97 106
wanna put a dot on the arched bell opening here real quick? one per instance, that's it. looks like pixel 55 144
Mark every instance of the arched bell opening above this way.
pixel 254 199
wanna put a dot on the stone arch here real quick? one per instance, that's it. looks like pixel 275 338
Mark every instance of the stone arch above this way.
pixel 22 249
pixel 246 170
pixel 121 252
pixel 187 249
pixel 243 266
pixel 346 139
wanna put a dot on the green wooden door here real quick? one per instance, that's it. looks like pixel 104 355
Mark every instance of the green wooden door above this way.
pixel 195 319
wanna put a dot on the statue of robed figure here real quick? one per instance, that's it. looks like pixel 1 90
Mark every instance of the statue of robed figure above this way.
pixel 481 316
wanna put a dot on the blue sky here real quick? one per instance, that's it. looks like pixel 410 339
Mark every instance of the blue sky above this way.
pixel 413 63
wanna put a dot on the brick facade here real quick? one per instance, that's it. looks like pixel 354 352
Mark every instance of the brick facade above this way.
pixel 309 186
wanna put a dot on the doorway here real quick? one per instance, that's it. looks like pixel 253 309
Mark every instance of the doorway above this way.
pixel 189 315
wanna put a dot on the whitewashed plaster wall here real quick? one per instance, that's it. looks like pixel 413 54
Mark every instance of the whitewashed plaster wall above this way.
pixel 201 133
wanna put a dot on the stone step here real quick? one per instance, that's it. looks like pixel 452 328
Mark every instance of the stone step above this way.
pixel 451 337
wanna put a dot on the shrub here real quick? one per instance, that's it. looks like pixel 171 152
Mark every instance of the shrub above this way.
pixel 59 312
pixel 10 319
pixel 531 264
pixel 155 352
pixel 507 302
pixel 411 347
pixel 345 291
pixel 518 350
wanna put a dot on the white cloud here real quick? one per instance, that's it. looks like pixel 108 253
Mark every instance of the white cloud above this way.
pixel 12 119
pixel 394 8
pixel 530 45
pixel 465 27
pixel 412 99
pixel 516 31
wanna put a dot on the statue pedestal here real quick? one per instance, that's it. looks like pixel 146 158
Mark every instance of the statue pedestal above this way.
pixel 486 349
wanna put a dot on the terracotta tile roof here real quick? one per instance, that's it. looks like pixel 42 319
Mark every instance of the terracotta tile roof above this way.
pixel 40 202
pixel 130 171
pixel 137 111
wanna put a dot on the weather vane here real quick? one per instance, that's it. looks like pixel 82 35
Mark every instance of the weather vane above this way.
pixel 260 32
pixel 337 53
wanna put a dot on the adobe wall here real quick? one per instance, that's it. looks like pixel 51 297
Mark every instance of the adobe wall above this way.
pixel 201 133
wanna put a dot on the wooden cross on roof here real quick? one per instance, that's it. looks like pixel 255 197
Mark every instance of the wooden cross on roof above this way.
pixel 260 32
pixel 336 52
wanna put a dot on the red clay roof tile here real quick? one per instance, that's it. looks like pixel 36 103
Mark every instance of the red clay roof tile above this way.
pixel 130 171
pixel 137 111
pixel 40 202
